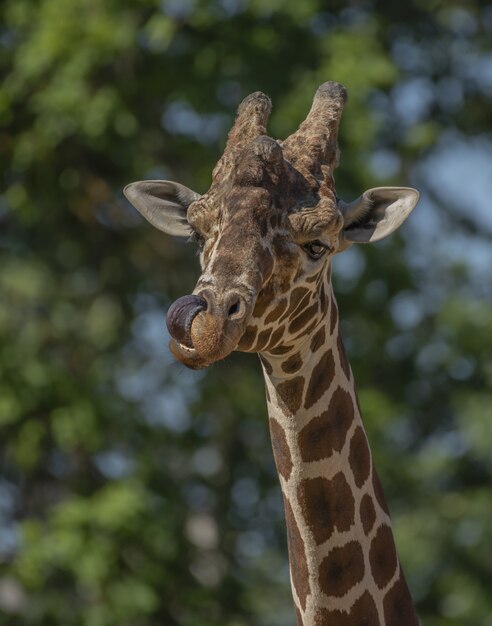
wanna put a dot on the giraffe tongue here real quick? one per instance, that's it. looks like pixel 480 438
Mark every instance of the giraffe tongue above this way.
pixel 180 316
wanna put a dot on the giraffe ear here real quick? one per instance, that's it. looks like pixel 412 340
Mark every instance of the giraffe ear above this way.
pixel 377 213
pixel 163 203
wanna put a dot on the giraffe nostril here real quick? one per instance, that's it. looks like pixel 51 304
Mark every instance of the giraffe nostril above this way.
pixel 234 308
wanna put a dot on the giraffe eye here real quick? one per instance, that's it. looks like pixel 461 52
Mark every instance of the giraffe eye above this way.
pixel 315 249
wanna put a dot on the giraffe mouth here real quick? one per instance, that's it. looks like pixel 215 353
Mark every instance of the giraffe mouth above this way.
pixel 179 320
pixel 195 359
pixel 187 355
pixel 180 317
pixel 198 336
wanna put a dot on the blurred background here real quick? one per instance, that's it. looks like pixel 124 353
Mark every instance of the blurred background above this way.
pixel 134 492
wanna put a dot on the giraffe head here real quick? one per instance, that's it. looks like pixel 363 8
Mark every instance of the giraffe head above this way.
pixel 267 230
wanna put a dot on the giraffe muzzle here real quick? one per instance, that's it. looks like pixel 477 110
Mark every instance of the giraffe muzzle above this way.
pixel 203 330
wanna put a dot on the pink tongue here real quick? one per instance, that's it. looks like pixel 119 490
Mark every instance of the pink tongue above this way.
pixel 180 316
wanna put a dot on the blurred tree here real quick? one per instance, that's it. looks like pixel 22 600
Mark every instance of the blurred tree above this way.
pixel 136 492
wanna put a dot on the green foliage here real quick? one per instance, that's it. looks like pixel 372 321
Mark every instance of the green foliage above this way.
pixel 134 492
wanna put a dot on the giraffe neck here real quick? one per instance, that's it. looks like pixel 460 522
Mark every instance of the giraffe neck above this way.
pixel 343 562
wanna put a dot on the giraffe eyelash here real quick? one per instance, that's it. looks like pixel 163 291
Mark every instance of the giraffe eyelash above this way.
pixel 195 237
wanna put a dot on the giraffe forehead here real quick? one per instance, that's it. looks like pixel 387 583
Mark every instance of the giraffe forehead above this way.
pixel 247 204
pixel 248 209
pixel 229 205
pixel 261 181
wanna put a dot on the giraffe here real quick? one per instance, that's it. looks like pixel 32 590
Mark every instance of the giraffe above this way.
pixel 267 230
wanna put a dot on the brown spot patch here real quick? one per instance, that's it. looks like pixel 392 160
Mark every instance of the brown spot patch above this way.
pixel 280 350
pixel 327 432
pixel 295 298
pixel 367 513
pixel 263 339
pixel 297 303
pixel 362 613
pixel 290 393
pixel 333 316
pixel 360 457
pixel 323 299
pixel 318 339
pixel 297 556
pixel 326 505
pixel 303 318
pixel 276 337
pixel 261 305
pixel 382 556
pixel 276 312
pixel 358 404
pixel 281 451
pixel 248 339
pixel 378 492
pixel 292 364
pixel 344 362
pixel 341 569
pixel 309 329
pixel 398 606
pixel 299 618
pixel 321 378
